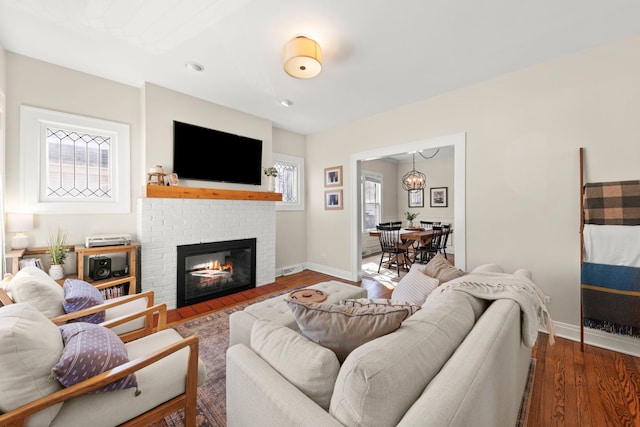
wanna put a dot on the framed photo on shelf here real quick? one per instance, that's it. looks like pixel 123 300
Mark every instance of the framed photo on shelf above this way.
pixel 172 179
pixel 333 176
pixel 332 199
pixel 439 197
pixel 416 198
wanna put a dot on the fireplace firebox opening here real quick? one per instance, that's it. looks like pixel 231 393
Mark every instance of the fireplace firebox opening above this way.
pixel 214 269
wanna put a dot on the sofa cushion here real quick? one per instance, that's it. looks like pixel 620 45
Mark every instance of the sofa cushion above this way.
pixel 31 346
pixel 90 350
pixel 78 295
pixel 381 302
pixel 440 268
pixel 308 366
pixel 342 328
pixel 415 286
pixel 37 288
pixel 380 380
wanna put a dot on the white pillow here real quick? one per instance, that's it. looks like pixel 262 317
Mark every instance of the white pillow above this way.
pixel 31 346
pixel 37 288
pixel 313 369
pixel 414 287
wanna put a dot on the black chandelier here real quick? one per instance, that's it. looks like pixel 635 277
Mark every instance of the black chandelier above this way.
pixel 414 180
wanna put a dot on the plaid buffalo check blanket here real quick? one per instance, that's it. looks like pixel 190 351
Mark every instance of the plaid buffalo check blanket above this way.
pixel 612 203
pixel 610 274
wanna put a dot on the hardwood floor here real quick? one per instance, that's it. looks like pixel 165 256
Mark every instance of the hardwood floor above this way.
pixel 593 388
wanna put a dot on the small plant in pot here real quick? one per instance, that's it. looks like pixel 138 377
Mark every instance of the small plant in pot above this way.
pixel 410 217
pixel 271 173
pixel 57 250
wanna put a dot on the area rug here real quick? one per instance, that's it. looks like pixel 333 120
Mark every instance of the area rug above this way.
pixel 523 415
pixel 213 331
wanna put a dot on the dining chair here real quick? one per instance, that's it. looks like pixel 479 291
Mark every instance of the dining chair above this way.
pixel 394 251
pixel 446 229
pixel 430 249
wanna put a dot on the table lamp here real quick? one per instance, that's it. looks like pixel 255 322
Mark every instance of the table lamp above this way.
pixel 19 223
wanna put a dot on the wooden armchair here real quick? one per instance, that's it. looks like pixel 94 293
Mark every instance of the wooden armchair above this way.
pixel 48 297
pixel 166 366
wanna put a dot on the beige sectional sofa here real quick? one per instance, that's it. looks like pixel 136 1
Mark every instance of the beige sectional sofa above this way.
pixel 458 361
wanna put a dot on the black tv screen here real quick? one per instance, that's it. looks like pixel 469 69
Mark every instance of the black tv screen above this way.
pixel 206 154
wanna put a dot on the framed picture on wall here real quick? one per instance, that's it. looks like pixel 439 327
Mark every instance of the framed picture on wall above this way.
pixel 333 199
pixel 333 176
pixel 439 197
pixel 416 198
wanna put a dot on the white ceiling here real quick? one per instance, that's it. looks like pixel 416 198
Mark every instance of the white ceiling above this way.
pixel 377 55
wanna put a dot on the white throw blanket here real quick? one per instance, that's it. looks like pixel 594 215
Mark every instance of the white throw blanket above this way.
pixel 519 289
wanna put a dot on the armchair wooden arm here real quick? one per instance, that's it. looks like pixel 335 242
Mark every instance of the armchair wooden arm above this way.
pixel 161 322
pixel 61 320
pixel 186 400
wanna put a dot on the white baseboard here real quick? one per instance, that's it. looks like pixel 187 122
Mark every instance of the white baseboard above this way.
pixel 292 269
pixel 342 274
pixel 619 343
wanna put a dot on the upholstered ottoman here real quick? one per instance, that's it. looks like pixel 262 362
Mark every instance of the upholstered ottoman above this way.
pixel 277 310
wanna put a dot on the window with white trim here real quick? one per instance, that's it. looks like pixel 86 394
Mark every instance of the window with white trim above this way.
pixel 371 200
pixel 73 164
pixel 290 181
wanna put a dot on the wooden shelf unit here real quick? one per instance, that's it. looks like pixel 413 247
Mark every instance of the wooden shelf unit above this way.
pixel 132 259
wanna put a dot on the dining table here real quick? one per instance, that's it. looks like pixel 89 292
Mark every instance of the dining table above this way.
pixel 421 236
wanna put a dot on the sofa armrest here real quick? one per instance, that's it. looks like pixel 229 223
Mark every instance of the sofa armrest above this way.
pixel 273 402
pixel 61 320
pixel 18 416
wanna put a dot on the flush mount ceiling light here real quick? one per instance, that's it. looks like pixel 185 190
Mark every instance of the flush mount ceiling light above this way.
pixel 286 103
pixel 302 58
pixel 414 180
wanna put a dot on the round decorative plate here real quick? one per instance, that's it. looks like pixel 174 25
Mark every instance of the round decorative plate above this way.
pixel 308 295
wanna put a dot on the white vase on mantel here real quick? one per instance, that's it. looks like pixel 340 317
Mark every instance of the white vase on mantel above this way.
pixel 56 271
pixel 271 183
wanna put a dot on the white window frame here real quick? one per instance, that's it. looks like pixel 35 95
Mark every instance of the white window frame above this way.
pixel 379 177
pixel 33 125
pixel 299 162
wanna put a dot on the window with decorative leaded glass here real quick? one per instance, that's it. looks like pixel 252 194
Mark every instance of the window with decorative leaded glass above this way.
pixel 73 164
pixel 290 181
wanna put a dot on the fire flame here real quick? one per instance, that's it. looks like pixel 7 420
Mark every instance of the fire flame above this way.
pixel 215 265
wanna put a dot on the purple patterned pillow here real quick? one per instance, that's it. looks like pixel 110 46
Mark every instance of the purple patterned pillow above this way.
pixel 79 294
pixel 88 351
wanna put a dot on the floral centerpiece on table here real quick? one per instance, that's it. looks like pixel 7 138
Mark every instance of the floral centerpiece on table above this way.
pixel 410 217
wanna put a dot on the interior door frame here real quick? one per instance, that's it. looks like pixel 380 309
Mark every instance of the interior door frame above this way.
pixel 458 141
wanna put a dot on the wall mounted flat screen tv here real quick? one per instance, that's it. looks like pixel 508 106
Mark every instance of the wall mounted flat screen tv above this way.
pixel 206 154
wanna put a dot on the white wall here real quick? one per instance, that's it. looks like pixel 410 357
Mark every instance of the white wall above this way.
pixel 40 84
pixel 523 131
pixel 439 173
pixel 162 106
pixel 291 226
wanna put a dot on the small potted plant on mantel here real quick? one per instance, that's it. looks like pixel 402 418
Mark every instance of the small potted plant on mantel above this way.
pixel 271 173
pixel 57 249
pixel 410 217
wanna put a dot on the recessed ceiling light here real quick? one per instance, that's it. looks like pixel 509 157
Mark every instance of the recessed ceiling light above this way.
pixel 286 103
pixel 194 66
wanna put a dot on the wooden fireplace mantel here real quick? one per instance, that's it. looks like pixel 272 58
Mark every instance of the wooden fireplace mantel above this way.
pixel 177 192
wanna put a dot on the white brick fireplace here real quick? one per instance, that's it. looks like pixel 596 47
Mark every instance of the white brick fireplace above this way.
pixel 165 223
